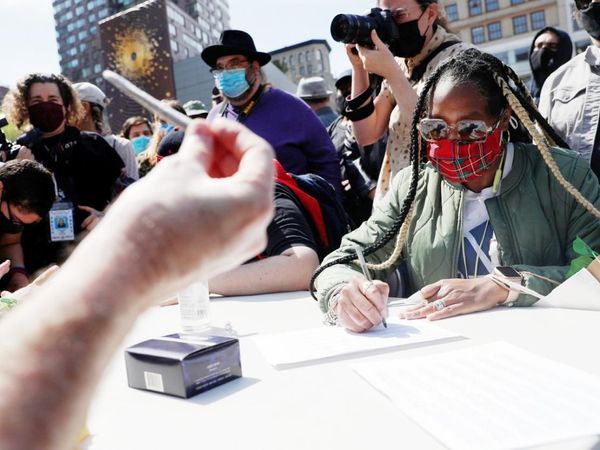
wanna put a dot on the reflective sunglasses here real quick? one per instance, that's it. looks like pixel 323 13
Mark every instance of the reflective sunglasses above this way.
pixel 466 130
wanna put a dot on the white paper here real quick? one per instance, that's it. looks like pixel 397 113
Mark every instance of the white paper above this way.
pixel 492 396
pixel 581 291
pixel 325 342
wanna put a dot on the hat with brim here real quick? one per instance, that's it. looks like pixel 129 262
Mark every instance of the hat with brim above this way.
pixel 345 75
pixel 234 42
pixel 313 88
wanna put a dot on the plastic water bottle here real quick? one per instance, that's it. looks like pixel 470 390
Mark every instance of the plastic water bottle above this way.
pixel 194 304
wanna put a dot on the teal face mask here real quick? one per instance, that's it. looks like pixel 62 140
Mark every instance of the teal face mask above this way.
pixel 140 144
pixel 233 83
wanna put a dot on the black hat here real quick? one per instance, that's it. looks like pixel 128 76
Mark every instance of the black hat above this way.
pixel 170 143
pixel 234 42
pixel 345 75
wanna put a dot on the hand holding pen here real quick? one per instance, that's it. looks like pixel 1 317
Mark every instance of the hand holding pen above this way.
pixel 365 270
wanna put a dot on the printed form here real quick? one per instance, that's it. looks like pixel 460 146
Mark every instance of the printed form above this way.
pixel 326 341
pixel 492 396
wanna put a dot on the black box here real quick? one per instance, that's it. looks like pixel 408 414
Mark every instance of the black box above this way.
pixel 183 365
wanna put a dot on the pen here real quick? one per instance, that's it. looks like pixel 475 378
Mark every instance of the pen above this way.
pixel 365 271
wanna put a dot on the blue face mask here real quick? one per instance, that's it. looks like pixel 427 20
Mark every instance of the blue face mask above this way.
pixel 166 127
pixel 233 83
pixel 140 144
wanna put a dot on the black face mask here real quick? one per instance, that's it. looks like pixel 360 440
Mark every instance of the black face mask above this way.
pixel 410 41
pixel 7 226
pixel 543 63
pixel 341 103
pixel 590 20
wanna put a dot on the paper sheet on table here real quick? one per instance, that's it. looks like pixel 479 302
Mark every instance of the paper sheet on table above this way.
pixel 581 291
pixel 492 396
pixel 325 342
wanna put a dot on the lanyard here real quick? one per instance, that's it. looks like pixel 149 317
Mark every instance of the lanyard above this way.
pixel 245 112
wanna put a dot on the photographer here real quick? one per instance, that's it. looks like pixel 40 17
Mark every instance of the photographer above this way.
pixel 417 41
pixel 84 167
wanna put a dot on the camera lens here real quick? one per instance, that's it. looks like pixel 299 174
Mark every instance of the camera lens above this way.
pixel 353 29
pixel 341 28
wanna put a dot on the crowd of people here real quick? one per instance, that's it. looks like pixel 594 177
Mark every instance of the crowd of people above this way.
pixel 437 163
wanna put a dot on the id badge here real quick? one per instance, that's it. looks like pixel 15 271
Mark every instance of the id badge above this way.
pixel 62 227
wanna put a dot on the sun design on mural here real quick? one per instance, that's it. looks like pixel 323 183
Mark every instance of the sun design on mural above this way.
pixel 134 54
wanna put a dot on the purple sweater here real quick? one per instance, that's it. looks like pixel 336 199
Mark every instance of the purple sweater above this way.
pixel 301 143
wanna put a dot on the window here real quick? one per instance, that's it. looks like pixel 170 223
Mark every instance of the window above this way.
pixel 576 26
pixel 309 69
pixel 72 51
pixel 103 13
pixel 174 46
pixel 176 17
pixel 70 27
pixel 516 2
pixel 79 10
pixel 491 5
pixel 475 7
pixel 192 42
pixel 538 20
pixel 477 35
pixel 80 23
pixel 172 30
pixel 494 31
pixel 82 47
pixel 97 68
pixel 503 56
pixel 520 24
pixel 522 54
pixel 452 12
pixel 92 18
pixel 82 35
pixel 301 58
pixel 85 72
pixel 302 71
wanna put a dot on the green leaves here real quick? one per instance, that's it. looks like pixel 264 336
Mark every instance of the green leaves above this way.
pixel 585 258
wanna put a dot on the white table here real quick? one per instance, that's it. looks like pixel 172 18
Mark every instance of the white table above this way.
pixel 318 406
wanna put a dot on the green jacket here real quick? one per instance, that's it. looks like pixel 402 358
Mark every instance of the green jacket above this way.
pixel 534 218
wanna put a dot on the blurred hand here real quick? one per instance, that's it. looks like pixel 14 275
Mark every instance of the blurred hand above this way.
pixel 197 214
pixel 378 60
pixel 361 304
pixel 31 288
pixel 25 153
pixel 90 222
pixel 458 297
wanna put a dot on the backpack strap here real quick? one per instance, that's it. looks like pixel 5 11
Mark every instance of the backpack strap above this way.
pixel 419 70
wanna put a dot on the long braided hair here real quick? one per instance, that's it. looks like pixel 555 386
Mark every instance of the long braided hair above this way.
pixel 501 86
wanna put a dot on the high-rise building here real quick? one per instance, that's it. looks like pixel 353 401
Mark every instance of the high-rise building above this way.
pixel 305 59
pixel 185 27
pixel 506 28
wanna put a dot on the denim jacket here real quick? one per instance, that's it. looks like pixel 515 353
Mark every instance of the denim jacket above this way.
pixel 570 101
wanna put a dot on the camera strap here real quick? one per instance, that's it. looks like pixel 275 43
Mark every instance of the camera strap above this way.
pixel 419 71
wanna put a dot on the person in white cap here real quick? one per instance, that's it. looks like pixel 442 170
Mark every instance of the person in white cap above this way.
pixel 94 101
pixel 314 92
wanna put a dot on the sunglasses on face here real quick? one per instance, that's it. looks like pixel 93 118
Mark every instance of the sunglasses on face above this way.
pixel 466 130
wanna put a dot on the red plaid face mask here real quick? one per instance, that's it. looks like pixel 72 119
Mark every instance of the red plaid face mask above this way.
pixel 461 162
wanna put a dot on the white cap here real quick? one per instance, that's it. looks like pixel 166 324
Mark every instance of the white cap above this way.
pixel 88 92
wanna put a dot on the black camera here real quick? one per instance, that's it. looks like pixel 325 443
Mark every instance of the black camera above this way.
pixel 9 150
pixel 354 29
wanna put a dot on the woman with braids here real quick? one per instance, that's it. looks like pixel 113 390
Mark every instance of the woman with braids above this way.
pixel 480 202
pixel 424 43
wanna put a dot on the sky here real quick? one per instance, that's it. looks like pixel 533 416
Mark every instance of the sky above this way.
pixel 28 39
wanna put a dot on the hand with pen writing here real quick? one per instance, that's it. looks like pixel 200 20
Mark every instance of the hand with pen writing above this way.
pixel 361 304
